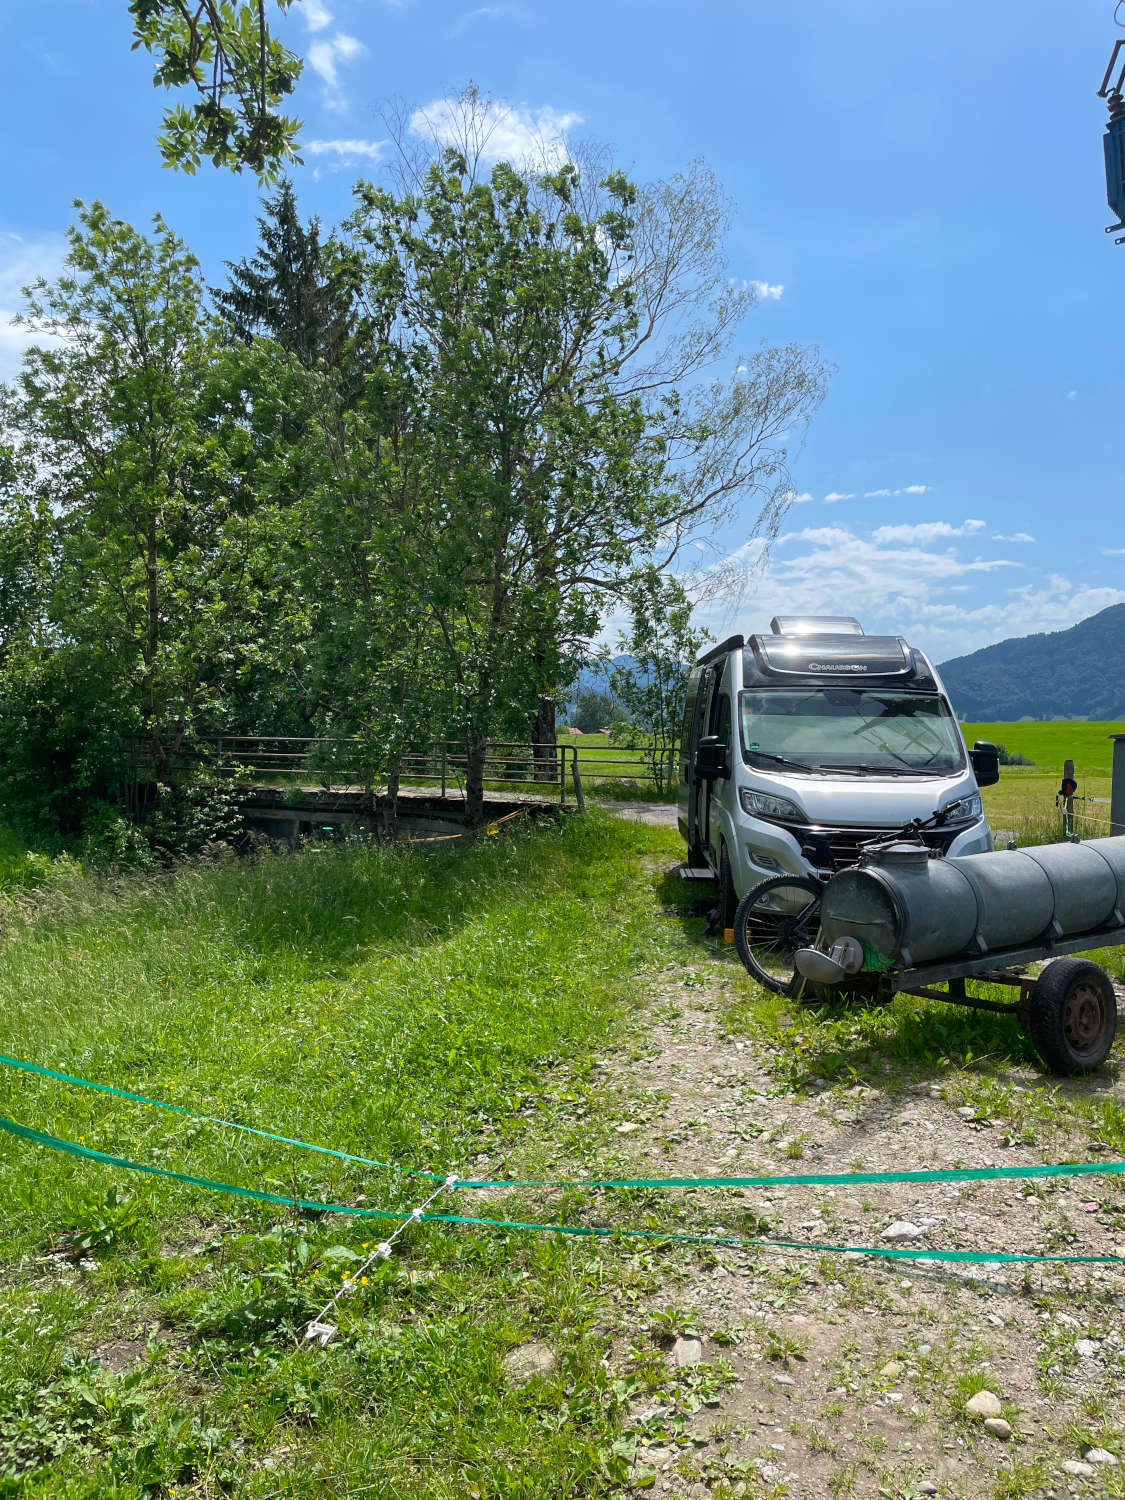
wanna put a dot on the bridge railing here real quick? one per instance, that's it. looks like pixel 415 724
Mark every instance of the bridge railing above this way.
pixel 337 764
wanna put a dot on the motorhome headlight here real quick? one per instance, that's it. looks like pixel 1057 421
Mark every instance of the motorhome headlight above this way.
pixel 965 809
pixel 766 805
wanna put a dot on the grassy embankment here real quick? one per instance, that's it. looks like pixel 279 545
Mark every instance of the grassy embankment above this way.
pixel 442 1010
pixel 421 1008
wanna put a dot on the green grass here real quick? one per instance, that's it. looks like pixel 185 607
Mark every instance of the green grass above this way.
pixel 1087 744
pixel 21 870
pixel 1024 798
pixel 414 1007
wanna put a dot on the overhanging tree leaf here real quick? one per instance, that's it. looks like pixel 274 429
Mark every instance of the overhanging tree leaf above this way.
pixel 224 52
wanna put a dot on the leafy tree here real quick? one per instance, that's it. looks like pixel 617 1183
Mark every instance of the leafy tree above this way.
pixel 132 453
pixel 224 51
pixel 593 711
pixel 375 668
pixel 290 290
pixel 542 325
pixel 475 294
pixel 651 684
pixel 643 305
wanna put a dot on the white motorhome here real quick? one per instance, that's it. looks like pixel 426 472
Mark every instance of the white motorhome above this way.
pixel 799 745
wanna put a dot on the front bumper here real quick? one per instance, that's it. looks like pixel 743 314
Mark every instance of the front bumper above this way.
pixel 766 849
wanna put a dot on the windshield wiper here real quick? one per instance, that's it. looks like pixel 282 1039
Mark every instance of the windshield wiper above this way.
pixel 781 760
pixel 882 770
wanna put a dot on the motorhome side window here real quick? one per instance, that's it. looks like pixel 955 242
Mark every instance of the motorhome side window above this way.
pixel 722 719
pixel 689 715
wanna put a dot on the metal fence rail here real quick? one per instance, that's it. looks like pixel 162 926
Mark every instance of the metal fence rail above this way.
pixel 326 763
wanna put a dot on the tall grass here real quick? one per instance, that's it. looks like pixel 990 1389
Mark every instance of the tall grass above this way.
pixel 382 1000
pixel 414 1007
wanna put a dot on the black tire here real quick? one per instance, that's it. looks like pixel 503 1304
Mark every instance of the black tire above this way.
pixel 728 899
pixel 1072 1015
pixel 767 935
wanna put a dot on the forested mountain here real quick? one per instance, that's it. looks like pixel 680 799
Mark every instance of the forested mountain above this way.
pixel 1073 674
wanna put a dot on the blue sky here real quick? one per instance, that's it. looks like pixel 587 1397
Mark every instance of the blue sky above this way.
pixel 918 189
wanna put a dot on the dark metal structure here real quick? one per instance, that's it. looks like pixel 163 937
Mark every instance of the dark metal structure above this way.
pixel 905 922
pixel 1113 142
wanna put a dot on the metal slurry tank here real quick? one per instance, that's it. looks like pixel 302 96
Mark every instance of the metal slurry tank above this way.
pixel 912 909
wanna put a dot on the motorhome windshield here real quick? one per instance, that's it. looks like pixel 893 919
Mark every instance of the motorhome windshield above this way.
pixel 853 731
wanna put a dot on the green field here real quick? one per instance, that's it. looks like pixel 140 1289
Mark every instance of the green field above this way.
pixel 1048 745
pixel 1023 801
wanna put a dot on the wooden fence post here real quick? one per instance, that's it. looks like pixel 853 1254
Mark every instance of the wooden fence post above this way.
pixel 1068 798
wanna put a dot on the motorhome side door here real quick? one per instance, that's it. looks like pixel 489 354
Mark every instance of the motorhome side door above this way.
pixel 718 724
pixel 696 714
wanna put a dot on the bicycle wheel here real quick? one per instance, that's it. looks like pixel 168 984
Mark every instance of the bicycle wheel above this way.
pixel 773 920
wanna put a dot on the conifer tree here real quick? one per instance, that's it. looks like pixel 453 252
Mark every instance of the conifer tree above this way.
pixel 293 289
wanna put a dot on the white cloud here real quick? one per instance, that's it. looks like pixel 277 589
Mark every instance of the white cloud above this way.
pixel 909 580
pixel 22 261
pixel 481 13
pixel 834 495
pixel 346 151
pixel 315 15
pixel 1013 536
pixel 1113 551
pixel 1052 604
pixel 325 57
pixel 1072 395
pixel 802 498
pixel 907 489
pixel 769 291
pixel 924 531
pixel 517 133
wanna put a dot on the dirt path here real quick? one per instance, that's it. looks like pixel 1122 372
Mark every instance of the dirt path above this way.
pixel 660 814
pixel 831 1374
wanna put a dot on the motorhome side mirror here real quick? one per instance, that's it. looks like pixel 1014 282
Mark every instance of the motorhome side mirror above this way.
pixel 986 763
pixel 711 763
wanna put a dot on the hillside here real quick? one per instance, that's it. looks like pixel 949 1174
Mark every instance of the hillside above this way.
pixel 1076 674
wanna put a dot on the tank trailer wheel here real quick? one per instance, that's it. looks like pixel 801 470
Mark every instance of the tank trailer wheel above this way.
pixel 1072 1015
pixel 773 920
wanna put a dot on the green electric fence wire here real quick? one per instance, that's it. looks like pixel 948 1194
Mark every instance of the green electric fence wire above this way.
pixel 818 1179
pixel 258 1195
pixel 180 1109
pixel 809 1179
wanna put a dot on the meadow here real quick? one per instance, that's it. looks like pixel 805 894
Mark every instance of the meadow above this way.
pixel 472 1008
pixel 1023 801
pixel 416 1008
pixel 1048 745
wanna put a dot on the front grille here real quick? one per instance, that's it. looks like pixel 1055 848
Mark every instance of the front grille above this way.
pixel 836 848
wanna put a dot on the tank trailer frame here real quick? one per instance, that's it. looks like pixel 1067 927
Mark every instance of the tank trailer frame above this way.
pixel 906 920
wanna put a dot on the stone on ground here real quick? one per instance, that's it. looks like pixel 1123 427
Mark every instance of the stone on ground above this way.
pixel 687 1352
pixel 983 1404
pixel 525 1361
pixel 998 1428
pixel 901 1229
